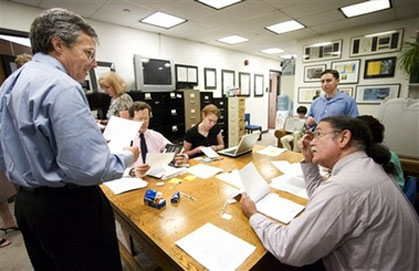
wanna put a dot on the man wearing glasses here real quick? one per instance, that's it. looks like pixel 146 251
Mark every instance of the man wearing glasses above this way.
pixel 52 147
pixel 358 219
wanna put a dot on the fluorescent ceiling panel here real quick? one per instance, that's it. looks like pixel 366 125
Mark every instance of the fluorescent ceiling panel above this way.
pixel 232 39
pixel 272 51
pixel 365 7
pixel 285 27
pixel 163 20
pixel 219 4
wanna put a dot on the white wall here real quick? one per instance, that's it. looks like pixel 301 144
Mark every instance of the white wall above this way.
pixel 400 77
pixel 118 45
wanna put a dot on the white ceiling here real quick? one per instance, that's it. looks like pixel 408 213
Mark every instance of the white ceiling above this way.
pixel 246 19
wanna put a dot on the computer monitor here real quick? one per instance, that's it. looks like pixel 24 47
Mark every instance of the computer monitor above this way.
pixel 154 74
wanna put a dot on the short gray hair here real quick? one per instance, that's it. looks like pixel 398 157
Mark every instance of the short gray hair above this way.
pixel 58 22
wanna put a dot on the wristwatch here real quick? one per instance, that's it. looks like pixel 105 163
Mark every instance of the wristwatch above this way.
pixel 132 172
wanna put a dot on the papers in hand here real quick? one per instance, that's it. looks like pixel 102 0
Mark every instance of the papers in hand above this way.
pixel 209 152
pixel 271 151
pixel 215 248
pixel 271 205
pixel 125 184
pixel 232 178
pixel 204 171
pixel 290 184
pixel 120 132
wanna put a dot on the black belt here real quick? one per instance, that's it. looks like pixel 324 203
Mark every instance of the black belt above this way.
pixel 67 187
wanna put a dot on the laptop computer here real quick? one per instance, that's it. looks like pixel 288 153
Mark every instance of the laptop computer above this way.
pixel 245 146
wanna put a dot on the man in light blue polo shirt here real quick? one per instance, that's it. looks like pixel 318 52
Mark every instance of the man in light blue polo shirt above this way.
pixel 333 103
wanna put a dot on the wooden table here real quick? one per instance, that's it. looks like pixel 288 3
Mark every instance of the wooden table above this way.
pixel 157 230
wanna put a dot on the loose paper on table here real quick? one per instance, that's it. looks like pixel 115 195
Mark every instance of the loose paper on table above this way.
pixel 119 186
pixel 215 248
pixel 204 171
pixel 271 151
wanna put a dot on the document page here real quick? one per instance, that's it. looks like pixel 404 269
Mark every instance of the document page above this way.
pixel 157 162
pixel 254 184
pixel 232 178
pixel 209 152
pixel 204 171
pixel 119 186
pixel 120 132
pixel 290 184
pixel 279 208
pixel 215 248
pixel 272 151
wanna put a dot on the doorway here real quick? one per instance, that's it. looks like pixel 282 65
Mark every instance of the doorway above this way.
pixel 274 92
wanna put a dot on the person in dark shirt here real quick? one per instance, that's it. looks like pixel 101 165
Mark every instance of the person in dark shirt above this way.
pixel 204 134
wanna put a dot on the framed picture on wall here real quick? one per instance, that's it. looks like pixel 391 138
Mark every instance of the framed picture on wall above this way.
pixel 375 94
pixel 244 84
pixel 312 72
pixel 258 85
pixel 380 67
pixel 95 73
pixel 186 74
pixel 376 43
pixel 347 90
pixel 227 80
pixel 210 78
pixel 348 70
pixel 322 51
pixel 306 95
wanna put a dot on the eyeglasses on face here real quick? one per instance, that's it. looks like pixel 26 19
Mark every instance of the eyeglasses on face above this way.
pixel 318 134
pixel 90 53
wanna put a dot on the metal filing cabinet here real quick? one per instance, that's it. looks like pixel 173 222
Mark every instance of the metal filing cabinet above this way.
pixel 168 115
pixel 222 104
pixel 192 103
pixel 206 98
pixel 236 109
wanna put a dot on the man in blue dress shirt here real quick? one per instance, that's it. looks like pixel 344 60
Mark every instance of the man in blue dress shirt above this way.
pixel 51 147
pixel 332 103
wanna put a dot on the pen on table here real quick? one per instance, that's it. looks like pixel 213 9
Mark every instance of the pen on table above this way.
pixel 188 196
pixel 224 208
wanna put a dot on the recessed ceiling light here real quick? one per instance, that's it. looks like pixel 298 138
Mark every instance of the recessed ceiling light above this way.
pixel 232 39
pixel 161 19
pixel 272 51
pixel 288 56
pixel 219 4
pixel 285 27
pixel 365 7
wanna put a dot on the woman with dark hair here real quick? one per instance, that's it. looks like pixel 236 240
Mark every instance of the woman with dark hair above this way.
pixel 377 131
pixel 353 216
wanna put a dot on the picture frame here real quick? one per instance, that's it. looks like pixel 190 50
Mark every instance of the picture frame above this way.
pixel 306 95
pixel 322 51
pixel 375 94
pixel 348 70
pixel 312 72
pixel 244 84
pixel 228 81
pixel 258 85
pixel 377 43
pixel 210 78
pixel 95 73
pixel 380 67
pixel 186 74
pixel 347 90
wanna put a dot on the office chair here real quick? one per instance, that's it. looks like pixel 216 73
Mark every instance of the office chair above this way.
pixel 410 189
pixel 249 128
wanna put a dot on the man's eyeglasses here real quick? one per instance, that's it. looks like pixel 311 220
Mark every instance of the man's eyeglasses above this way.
pixel 318 134
pixel 90 53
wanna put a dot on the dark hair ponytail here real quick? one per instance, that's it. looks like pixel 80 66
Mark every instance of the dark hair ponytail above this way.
pixel 362 138
pixel 382 156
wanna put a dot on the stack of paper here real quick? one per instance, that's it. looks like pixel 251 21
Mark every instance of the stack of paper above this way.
pixel 125 184
pixel 215 248
pixel 204 171
pixel 269 204
pixel 271 151
pixel 120 132
pixel 157 162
